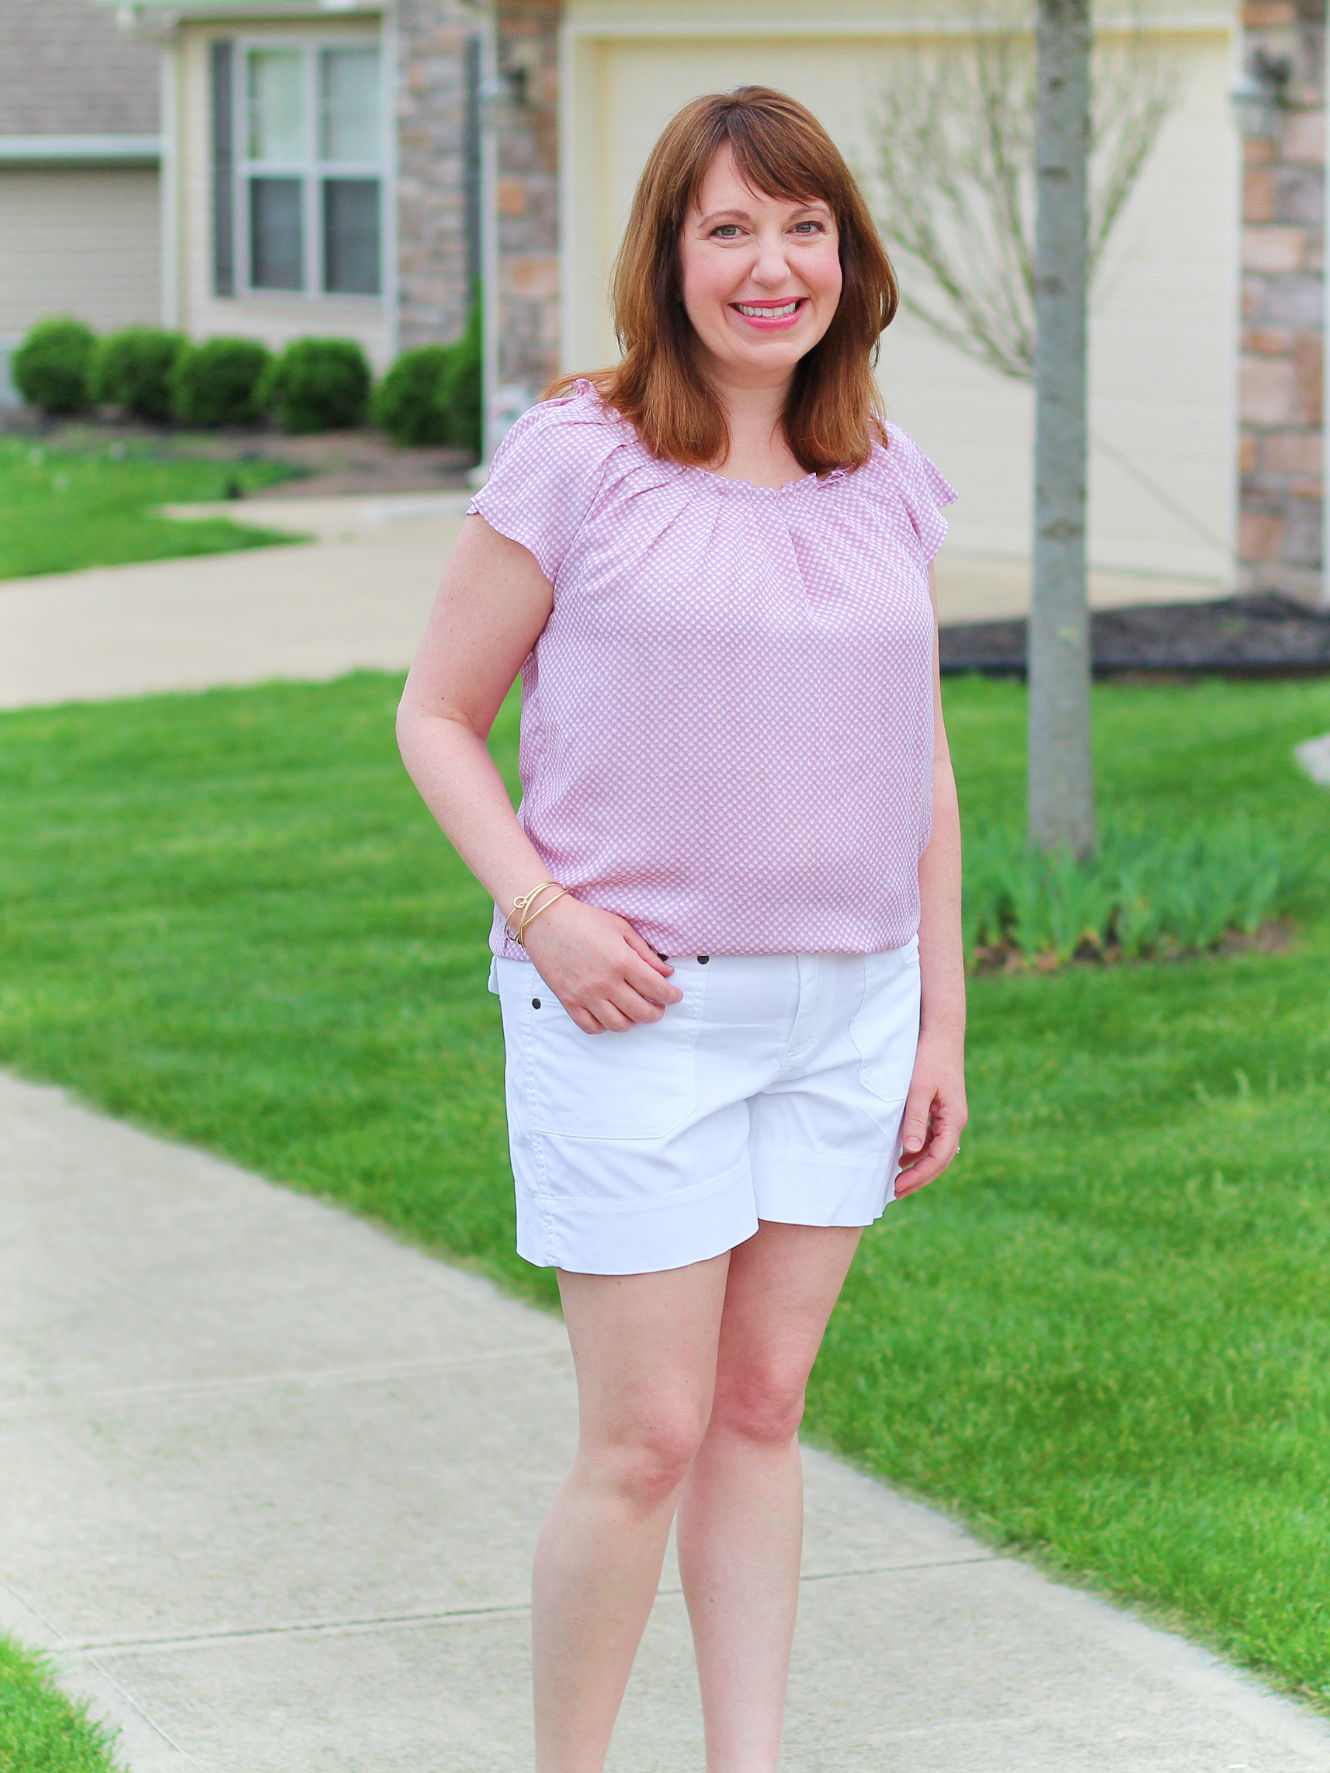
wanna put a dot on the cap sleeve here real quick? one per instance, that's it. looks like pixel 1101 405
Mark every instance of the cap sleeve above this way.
pixel 545 475
pixel 922 487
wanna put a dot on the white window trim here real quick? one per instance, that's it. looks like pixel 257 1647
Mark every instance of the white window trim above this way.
pixel 311 171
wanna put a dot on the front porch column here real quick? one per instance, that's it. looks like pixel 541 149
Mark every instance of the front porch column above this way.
pixel 1280 414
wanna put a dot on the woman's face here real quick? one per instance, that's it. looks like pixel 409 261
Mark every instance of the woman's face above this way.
pixel 761 276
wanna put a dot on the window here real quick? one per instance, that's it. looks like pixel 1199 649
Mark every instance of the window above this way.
pixel 310 171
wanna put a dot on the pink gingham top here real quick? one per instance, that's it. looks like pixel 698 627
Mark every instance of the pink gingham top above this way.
pixel 727 721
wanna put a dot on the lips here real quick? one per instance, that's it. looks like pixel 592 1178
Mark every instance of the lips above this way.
pixel 769 310
pixel 770 316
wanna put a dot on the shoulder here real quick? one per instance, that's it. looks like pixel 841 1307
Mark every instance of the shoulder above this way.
pixel 900 471
pixel 904 464
pixel 547 473
pixel 563 438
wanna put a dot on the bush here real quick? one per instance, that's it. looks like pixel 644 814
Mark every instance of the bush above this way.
pixel 461 386
pixel 408 403
pixel 133 368
pixel 1145 893
pixel 319 385
pixel 50 368
pixel 219 382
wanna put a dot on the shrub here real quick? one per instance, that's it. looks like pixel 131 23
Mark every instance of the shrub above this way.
pixel 50 368
pixel 461 386
pixel 1144 893
pixel 219 382
pixel 319 385
pixel 133 368
pixel 408 402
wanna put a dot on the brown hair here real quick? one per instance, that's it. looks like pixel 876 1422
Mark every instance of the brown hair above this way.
pixel 832 410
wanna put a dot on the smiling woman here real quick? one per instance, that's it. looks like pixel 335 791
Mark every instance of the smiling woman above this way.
pixel 726 938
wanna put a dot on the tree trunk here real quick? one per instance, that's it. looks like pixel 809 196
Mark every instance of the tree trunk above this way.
pixel 1061 782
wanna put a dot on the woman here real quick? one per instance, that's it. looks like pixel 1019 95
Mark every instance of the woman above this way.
pixel 727 935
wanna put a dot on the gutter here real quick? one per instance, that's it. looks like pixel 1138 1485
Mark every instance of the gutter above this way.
pixel 80 150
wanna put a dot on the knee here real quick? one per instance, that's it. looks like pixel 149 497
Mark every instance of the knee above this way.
pixel 762 1405
pixel 646 1465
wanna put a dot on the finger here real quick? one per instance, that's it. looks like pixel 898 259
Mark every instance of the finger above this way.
pixel 659 993
pixel 930 1165
pixel 641 947
pixel 644 1003
pixel 613 1018
pixel 915 1121
pixel 585 1020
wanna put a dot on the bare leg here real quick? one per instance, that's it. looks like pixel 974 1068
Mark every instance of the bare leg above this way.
pixel 644 1346
pixel 740 1525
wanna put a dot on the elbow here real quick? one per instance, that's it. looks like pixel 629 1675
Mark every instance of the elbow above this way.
pixel 406 726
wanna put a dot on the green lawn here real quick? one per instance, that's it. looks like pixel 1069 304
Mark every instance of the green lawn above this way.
pixel 41 1731
pixel 61 509
pixel 1103 1339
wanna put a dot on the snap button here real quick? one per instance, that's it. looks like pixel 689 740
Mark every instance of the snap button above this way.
pixel 535 1003
pixel 703 959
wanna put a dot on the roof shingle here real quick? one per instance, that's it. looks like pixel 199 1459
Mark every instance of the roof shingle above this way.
pixel 66 68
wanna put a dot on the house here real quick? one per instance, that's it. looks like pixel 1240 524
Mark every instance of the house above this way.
pixel 1208 312
pixel 320 167
pixel 79 180
pixel 356 166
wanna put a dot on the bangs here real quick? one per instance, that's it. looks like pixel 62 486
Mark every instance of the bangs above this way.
pixel 773 159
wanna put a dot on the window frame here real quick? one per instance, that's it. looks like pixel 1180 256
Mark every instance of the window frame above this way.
pixel 311 171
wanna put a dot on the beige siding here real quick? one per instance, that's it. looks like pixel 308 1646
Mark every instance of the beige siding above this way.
pixel 1164 317
pixel 275 318
pixel 79 241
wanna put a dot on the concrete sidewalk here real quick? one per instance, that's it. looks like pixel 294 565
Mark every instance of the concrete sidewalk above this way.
pixel 272 1483
pixel 357 595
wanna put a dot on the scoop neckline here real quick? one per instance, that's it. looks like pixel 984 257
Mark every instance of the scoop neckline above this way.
pixel 755 486
pixel 584 386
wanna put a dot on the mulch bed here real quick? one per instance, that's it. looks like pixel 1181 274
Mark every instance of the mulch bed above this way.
pixel 1258 635
pixel 1273 937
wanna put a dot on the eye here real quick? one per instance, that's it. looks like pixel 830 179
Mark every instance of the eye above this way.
pixel 725 230
pixel 818 227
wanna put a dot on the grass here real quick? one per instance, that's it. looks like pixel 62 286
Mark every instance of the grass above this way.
pixel 42 1731
pixel 68 508
pixel 1102 1339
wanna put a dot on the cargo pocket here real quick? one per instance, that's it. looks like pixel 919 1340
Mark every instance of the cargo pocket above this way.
pixel 632 1083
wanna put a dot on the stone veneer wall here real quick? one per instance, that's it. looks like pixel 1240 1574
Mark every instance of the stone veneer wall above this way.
pixel 435 128
pixel 527 200
pixel 1281 462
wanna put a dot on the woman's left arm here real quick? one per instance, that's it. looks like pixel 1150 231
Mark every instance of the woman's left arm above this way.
pixel 935 1109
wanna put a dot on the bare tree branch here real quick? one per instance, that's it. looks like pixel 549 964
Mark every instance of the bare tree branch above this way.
pixel 953 171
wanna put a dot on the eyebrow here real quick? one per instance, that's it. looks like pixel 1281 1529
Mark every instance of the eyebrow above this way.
pixel 744 215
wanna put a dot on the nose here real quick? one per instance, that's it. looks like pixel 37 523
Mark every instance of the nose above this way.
pixel 770 267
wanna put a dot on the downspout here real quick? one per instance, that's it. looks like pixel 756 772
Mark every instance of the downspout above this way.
pixel 490 88
pixel 169 187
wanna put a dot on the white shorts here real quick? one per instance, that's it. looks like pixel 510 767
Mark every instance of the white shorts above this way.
pixel 773 1089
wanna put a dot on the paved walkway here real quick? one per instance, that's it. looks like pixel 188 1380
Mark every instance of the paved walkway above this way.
pixel 357 595
pixel 272 1482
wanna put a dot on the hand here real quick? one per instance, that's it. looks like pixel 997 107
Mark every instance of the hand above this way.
pixel 935 1112
pixel 603 973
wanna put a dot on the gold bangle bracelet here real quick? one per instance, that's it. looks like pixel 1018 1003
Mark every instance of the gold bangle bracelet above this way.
pixel 533 915
pixel 521 902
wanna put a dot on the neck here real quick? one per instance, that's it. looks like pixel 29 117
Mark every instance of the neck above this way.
pixel 752 409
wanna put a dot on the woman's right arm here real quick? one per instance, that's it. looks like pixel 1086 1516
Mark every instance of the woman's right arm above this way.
pixel 492 605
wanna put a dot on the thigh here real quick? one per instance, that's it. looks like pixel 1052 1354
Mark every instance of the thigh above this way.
pixel 780 1290
pixel 644 1346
